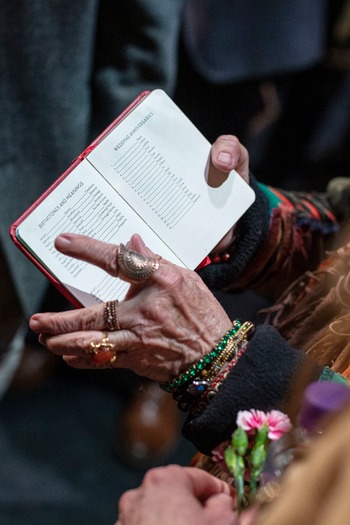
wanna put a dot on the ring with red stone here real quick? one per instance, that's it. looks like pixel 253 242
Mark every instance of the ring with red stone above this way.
pixel 103 352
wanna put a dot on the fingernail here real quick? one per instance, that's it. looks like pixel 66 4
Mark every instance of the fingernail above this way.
pixel 225 158
pixel 34 324
pixel 63 241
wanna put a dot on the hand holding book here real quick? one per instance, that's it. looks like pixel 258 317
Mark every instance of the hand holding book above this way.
pixel 173 299
pixel 147 173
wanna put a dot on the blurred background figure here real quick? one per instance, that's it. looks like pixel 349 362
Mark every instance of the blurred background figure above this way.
pixel 69 68
pixel 257 70
pixel 277 75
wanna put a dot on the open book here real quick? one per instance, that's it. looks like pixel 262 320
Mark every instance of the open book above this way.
pixel 148 173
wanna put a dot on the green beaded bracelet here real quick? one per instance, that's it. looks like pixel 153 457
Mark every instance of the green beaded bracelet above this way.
pixel 200 365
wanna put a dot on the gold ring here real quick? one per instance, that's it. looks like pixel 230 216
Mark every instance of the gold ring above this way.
pixel 103 352
pixel 134 267
pixel 102 346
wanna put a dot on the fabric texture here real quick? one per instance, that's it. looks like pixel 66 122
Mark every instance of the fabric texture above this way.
pixel 254 382
pixel 253 230
pixel 46 53
pixel 311 314
pixel 278 239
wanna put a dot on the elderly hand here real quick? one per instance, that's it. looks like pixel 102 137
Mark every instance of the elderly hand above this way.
pixel 168 321
pixel 174 494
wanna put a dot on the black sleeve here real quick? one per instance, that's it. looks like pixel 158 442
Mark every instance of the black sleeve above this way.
pixel 269 375
pixel 253 230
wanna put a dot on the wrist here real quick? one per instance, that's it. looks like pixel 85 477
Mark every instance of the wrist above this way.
pixel 202 342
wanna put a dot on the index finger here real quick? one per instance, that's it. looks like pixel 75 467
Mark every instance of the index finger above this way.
pixel 131 265
pixel 101 254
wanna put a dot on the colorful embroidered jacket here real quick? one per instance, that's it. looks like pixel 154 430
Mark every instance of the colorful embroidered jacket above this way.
pixel 280 248
pixel 283 234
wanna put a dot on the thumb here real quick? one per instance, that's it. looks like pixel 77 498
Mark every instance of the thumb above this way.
pixel 227 153
pixel 222 160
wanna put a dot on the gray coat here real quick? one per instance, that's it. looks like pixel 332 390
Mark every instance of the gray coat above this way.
pixel 68 68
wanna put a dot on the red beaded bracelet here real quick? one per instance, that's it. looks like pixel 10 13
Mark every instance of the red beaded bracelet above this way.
pixel 221 258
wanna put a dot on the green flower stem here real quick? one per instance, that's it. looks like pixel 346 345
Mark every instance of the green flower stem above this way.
pixel 236 466
pixel 240 441
pixel 257 457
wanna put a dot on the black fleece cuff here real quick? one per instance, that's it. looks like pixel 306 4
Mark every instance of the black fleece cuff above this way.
pixel 253 229
pixel 264 378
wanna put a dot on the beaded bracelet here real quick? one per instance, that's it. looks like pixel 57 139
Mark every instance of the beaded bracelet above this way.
pixel 192 397
pixel 206 376
pixel 203 401
pixel 198 395
pixel 192 372
pixel 217 382
pixel 225 256
pixel 228 354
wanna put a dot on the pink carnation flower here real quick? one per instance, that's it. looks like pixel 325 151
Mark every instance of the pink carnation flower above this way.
pixel 278 423
pixel 251 419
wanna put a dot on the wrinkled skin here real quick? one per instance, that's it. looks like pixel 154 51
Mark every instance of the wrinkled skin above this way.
pixel 186 495
pixel 168 321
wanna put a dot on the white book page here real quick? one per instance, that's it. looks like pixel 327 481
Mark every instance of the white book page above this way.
pixel 157 160
pixel 85 203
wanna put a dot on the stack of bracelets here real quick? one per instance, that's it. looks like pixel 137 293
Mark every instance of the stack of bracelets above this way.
pixel 194 388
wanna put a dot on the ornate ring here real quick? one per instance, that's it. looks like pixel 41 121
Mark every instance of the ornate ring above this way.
pixel 103 352
pixel 134 267
pixel 111 315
